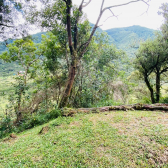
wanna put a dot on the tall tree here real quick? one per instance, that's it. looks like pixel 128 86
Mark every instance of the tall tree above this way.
pixel 70 16
pixel 9 11
pixel 12 18
pixel 152 60
pixel 24 52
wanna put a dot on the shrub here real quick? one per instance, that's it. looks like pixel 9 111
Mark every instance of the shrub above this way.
pixel 164 100
pixel 39 119
pixel 6 126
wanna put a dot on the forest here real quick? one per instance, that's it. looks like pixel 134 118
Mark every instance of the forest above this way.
pixel 74 75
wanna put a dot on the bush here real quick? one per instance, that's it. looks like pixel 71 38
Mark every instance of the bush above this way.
pixel 39 119
pixel 164 100
pixel 6 126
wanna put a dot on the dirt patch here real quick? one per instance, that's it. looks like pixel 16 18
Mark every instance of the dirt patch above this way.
pixel 75 124
pixel 129 125
pixel 10 140
pixel 156 157
pixel 101 117
pixel 37 158
pixel 102 151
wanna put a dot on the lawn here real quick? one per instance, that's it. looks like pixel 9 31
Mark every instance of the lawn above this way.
pixel 110 139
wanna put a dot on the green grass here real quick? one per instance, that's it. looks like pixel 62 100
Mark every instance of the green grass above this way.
pixel 116 139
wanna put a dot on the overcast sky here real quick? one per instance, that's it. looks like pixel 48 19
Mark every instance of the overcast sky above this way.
pixel 133 14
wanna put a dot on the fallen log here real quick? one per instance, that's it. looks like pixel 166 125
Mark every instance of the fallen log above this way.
pixel 139 106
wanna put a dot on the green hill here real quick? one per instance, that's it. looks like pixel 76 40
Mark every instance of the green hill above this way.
pixel 118 34
pixel 126 38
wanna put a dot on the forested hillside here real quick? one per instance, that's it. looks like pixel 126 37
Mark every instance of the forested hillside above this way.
pixel 125 34
pixel 126 38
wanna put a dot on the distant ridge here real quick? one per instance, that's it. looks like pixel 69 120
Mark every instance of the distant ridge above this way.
pixel 128 38
pixel 141 32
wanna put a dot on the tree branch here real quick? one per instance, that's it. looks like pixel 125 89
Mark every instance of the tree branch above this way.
pixel 164 70
pixel 68 12
pixel 113 15
pixel 2 24
pixel 109 7
pixel 85 45
pixel 86 3
pixel 76 27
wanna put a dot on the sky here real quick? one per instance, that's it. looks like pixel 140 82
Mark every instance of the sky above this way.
pixel 133 14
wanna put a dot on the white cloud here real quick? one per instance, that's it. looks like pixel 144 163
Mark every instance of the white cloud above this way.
pixel 132 14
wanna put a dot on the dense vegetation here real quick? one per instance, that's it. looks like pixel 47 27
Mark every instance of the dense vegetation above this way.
pixel 127 39
pixel 71 65
pixel 73 68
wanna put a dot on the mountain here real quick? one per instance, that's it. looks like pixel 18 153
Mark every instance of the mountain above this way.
pixel 126 38
pixel 125 33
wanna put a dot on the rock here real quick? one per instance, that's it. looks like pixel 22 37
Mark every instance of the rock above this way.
pixel 13 135
pixel 44 130
pixel 71 113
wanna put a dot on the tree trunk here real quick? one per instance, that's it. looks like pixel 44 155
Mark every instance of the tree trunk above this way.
pixel 150 89
pixel 157 87
pixel 18 109
pixel 71 78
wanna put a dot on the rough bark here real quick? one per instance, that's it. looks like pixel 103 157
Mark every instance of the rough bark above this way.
pixel 71 76
pixel 157 86
pixel 150 89
pixel 70 82
pixel 77 54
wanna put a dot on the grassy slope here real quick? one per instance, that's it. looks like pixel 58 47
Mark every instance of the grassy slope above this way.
pixel 120 139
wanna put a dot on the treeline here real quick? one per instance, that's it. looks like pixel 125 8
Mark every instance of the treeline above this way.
pixel 74 66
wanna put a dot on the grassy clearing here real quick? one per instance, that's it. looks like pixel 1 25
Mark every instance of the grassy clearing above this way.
pixel 116 139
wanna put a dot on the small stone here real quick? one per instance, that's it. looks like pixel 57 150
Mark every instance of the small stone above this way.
pixel 13 135
pixel 44 130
